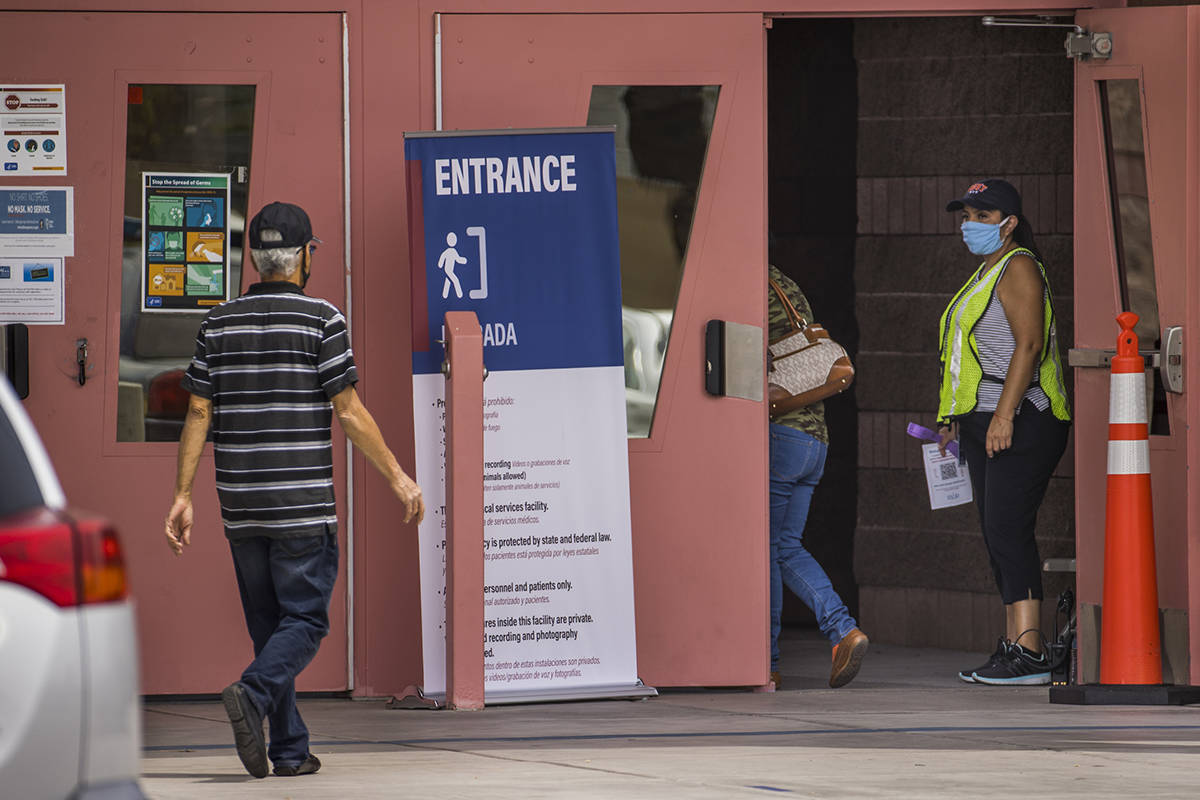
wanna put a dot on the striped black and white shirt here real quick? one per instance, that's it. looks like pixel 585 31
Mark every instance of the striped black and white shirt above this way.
pixel 270 361
pixel 996 344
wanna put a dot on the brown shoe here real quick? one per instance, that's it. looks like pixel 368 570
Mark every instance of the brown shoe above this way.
pixel 776 679
pixel 848 657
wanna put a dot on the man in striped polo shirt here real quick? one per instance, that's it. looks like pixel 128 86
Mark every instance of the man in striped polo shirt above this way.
pixel 271 369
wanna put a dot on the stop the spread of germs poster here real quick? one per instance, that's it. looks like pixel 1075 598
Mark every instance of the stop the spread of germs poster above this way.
pixel 185 241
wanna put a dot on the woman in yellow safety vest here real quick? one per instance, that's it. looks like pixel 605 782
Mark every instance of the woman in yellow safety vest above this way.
pixel 1004 400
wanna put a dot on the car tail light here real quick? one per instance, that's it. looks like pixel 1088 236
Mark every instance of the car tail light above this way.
pixel 167 398
pixel 67 565
pixel 37 551
pixel 102 566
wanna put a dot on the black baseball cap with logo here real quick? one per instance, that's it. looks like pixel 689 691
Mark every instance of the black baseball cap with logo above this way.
pixel 989 195
pixel 290 220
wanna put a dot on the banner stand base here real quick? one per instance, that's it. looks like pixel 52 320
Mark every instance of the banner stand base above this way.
pixel 1106 694
pixel 413 698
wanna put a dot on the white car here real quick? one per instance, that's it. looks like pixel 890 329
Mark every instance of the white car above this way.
pixel 70 724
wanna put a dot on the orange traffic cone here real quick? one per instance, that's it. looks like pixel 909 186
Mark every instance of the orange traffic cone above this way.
pixel 1130 658
pixel 1129 638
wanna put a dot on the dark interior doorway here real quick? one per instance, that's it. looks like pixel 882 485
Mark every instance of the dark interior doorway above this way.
pixel 873 124
pixel 812 122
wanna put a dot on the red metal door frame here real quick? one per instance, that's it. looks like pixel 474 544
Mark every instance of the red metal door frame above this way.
pixel 1155 47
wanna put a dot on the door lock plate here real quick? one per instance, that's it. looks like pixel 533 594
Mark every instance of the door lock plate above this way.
pixel 1172 366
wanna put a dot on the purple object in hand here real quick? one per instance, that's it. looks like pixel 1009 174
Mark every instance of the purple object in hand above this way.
pixel 921 432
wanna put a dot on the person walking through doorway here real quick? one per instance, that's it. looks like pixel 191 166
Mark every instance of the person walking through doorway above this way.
pixel 798 444
pixel 270 371
pixel 1004 399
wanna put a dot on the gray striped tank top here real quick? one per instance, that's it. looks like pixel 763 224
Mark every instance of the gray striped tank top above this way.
pixel 994 338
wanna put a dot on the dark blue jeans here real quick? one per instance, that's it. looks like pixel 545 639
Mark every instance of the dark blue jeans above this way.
pixel 285 586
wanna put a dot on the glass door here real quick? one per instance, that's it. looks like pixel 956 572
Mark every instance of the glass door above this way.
pixel 175 93
pixel 686 94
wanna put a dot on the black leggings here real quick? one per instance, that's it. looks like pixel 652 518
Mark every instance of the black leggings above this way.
pixel 1009 488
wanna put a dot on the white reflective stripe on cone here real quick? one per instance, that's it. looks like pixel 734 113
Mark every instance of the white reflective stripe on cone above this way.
pixel 1127 398
pixel 1129 457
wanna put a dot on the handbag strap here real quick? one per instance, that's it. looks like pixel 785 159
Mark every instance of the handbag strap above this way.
pixel 794 317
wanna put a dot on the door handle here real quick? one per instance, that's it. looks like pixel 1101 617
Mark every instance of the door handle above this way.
pixel 1168 361
pixel 734 362
pixel 81 356
pixel 1095 357
pixel 1172 370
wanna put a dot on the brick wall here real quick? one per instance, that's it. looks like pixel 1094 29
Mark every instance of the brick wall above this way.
pixel 943 102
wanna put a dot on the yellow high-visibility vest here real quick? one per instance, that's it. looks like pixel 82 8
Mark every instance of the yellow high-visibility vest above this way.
pixel 959 354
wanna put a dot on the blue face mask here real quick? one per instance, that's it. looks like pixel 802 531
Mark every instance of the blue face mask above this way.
pixel 983 238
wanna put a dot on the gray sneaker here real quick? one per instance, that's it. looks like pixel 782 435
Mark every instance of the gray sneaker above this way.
pixel 1002 647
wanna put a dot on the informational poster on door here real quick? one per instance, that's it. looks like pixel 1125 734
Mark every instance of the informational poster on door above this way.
pixel 37 221
pixel 31 291
pixel 520 227
pixel 33 125
pixel 185 241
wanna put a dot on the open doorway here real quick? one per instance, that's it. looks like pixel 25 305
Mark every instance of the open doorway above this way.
pixel 873 125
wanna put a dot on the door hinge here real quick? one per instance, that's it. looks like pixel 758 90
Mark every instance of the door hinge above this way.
pixel 1085 45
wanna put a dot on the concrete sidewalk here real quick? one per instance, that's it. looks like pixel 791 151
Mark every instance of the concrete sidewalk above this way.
pixel 906 728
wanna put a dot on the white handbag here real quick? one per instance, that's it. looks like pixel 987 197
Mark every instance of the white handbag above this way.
pixel 805 362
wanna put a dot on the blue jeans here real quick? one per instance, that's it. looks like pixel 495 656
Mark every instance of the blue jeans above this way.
pixel 797 464
pixel 285 586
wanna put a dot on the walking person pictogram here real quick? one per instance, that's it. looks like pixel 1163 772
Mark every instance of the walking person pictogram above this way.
pixel 446 262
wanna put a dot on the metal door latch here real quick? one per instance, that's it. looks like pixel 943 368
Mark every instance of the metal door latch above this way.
pixel 1168 361
pixel 1102 359
pixel 81 355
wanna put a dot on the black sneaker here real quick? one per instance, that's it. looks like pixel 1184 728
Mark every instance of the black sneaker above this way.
pixel 1002 646
pixel 306 767
pixel 247 729
pixel 1019 668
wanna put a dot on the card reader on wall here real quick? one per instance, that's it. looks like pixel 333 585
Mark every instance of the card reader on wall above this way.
pixel 734 360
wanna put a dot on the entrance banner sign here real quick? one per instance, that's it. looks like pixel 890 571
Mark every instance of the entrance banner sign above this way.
pixel 33 127
pixel 37 221
pixel 31 291
pixel 521 228
pixel 185 240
